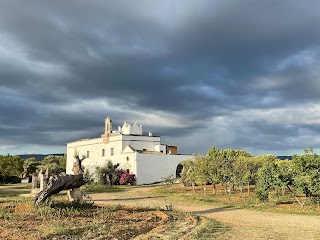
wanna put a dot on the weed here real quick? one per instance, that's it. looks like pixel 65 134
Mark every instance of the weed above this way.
pixel 210 229
pixel 99 188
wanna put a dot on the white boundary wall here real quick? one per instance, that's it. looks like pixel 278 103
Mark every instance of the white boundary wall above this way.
pixel 152 168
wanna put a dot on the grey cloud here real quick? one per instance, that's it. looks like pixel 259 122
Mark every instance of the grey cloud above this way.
pixel 196 61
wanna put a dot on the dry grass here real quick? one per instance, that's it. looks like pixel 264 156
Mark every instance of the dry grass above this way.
pixel 21 219
pixel 280 204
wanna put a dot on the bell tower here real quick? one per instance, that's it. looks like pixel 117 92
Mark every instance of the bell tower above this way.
pixel 108 125
pixel 108 128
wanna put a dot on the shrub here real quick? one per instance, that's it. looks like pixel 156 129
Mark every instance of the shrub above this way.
pixel 128 178
pixel 118 174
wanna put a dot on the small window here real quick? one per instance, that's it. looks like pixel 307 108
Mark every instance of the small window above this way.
pixel 88 154
pixel 103 152
pixel 144 149
pixel 128 171
pixel 112 152
pixel 161 151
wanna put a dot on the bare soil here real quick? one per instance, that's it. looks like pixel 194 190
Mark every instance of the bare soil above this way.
pixel 25 221
pixel 243 223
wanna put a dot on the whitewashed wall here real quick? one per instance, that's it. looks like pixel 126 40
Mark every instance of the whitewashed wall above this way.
pixel 141 142
pixel 153 167
pixel 127 128
pixel 149 168
pixel 94 146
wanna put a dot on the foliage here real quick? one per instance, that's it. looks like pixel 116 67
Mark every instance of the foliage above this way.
pixel 188 174
pixel 305 177
pixel 30 166
pixel 88 177
pixel 128 178
pixel 55 164
pixel 268 177
pixel 232 168
pixel 10 165
pixel 169 180
pixel 299 176
pixel 109 174
pixel 117 175
pixel 217 166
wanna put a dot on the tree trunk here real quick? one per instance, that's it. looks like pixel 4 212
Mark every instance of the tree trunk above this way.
pixel 192 186
pixel 248 188
pixel 241 190
pixel 232 185
pixel 57 184
pixel 214 189
pixel 302 203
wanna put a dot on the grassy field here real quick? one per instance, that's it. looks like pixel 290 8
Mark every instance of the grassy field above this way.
pixel 281 204
pixel 21 219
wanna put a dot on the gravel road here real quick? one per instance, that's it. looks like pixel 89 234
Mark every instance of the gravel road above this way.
pixel 244 224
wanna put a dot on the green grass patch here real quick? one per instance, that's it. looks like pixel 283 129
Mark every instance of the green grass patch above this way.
pixel 99 188
pixel 279 204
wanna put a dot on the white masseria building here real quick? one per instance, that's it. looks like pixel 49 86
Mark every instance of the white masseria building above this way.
pixel 138 153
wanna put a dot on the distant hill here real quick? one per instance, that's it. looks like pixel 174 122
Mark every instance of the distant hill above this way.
pixel 284 157
pixel 38 157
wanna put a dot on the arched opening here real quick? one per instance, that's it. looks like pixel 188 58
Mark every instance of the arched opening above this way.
pixel 128 166
pixel 179 170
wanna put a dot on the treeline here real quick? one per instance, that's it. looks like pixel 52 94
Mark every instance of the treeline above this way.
pixel 12 167
pixel 239 169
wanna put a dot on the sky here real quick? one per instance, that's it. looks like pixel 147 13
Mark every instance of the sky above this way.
pixel 232 74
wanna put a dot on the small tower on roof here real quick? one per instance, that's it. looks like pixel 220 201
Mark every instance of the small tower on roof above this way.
pixel 108 125
pixel 108 128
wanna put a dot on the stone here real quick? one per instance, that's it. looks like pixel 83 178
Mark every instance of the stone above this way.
pixel 43 182
pixel 75 195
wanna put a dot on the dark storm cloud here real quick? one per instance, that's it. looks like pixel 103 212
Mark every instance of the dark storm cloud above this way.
pixel 66 65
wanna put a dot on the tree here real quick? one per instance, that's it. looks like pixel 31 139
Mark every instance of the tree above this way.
pixel 63 182
pixel 30 166
pixel 252 165
pixel 285 171
pixel 108 174
pixel 201 171
pixel 188 173
pixel 10 166
pixel 240 171
pixel 305 176
pixel 267 177
pixel 222 166
pixel 214 162
pixel 55 164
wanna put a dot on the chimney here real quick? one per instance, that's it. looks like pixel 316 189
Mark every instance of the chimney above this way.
pixel 150 134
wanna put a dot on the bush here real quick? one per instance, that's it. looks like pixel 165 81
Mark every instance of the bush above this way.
pixel 128 178
pixel 117 176
pixel 10 179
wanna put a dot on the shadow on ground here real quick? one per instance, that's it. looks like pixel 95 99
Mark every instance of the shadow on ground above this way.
pixel 214 210
pixel 127 199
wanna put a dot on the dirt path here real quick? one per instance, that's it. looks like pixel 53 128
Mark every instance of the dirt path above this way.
pixel 243 223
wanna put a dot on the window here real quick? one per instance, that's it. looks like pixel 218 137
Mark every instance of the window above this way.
pixel 112 152
pixel 103 152
pixel 88 154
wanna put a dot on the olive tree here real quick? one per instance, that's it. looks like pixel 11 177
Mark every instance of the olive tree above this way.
pixel 10 165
